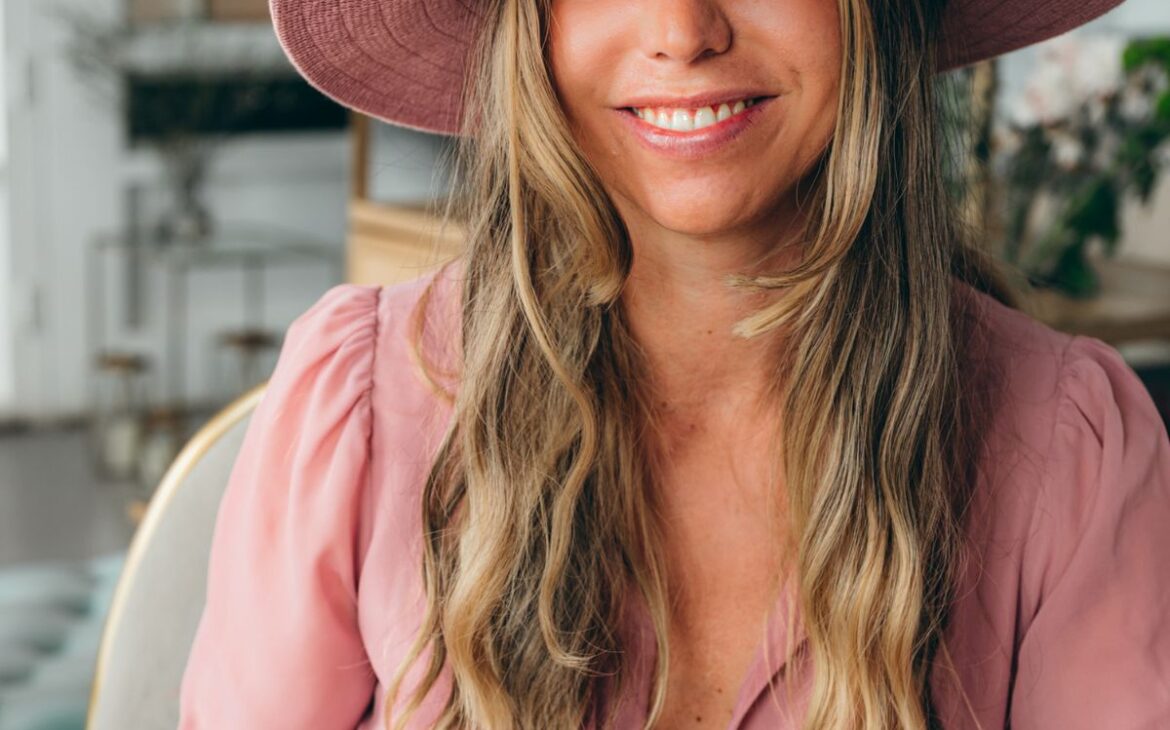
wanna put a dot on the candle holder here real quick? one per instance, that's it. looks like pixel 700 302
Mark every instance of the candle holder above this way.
pixel 248 354
pixel 163 437
pixel 116 413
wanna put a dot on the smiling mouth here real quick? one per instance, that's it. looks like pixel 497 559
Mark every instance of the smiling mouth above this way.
pixel 687 120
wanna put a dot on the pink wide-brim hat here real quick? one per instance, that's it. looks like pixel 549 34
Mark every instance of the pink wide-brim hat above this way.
pixel 402 61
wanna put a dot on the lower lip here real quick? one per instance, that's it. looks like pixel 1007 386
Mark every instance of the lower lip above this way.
pixel 699 143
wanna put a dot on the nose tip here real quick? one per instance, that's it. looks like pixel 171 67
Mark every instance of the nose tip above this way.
pixel 685 31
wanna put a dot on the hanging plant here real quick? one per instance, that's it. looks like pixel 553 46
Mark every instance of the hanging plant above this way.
pixel 183 91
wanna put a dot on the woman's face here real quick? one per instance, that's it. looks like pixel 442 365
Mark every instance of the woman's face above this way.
pixel 681 61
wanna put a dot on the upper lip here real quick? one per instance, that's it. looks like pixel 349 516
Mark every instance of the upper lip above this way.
pixel 693 101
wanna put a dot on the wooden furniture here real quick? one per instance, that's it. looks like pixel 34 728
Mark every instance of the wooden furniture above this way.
pixel 237 10
pixel 392 243
pixel 1134 304
pixel 230 11
pixel 388 243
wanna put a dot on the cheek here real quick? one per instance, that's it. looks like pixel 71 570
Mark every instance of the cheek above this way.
pixel 581 53
pixel 816 58
pixel 802 39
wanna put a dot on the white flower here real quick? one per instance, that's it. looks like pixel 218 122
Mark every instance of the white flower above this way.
pixel 1097 66
pixel 1135 105
pixel 1162 155
pixel 1067 150
pixel 1096 111
pixel 1046 97
pixel 1071 71
pixel 1108 146
pixel 1006 140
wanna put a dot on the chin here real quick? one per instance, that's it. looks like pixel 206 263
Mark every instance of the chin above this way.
pixel 696 225
pixel 708 204
pixel 702 215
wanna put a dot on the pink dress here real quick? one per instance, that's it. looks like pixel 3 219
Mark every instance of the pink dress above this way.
pixel 314 594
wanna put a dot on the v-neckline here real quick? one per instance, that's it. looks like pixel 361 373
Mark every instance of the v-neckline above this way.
pixel 642 654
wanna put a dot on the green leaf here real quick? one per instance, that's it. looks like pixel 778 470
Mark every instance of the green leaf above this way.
pixel 1162 108
pixel 1094 211
pixel 1145 177
pixel 1146 50
pixel 1073 274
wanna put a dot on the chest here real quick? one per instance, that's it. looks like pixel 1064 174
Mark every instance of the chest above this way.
pixel 722 551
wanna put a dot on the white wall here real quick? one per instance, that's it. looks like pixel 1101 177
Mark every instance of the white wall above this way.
pixel 1139 17
pixel 24 343
pixel 7 384
pixel 69 167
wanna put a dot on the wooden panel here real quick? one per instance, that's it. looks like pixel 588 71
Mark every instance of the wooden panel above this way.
pixel 359 132
pixel 154 11
pixel 1134 304
pixel 237 10
pixel 393 243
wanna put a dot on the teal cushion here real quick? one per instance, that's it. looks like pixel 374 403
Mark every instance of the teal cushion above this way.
pixel 67 587
pixel 17 664
pixel 34 709
pixel 106 568
pixel 43 628
pixel 51 621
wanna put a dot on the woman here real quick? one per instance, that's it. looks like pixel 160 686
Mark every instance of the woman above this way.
pixel 717 423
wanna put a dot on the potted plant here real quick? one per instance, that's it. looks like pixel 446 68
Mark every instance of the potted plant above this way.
pixel 1088 132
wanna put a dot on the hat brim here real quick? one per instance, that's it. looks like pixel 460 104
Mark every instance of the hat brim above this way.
pixel 975 30
pixel 403 61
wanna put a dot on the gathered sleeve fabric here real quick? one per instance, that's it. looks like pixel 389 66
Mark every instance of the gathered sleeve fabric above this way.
pixel 1096 652
pixel 278 644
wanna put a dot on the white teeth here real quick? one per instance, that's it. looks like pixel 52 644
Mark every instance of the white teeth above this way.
pixel 704 117
pixel 686 120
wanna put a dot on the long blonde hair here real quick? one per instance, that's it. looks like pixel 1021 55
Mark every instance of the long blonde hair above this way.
pixel 538 519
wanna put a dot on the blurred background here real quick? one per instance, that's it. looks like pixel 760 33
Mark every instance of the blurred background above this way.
pixel 172 195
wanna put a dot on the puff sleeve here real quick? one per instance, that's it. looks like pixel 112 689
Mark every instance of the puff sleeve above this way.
pixel 1096 653
pixel 278 644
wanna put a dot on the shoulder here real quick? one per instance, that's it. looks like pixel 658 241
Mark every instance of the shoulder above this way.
pixel 368 329
pixel 1108 455
pixel 1048 375
pixel 1036 378
pixel 1016 350
pixel 349 365
pixel 1075 438
pixel 1071 568
pixel 1013 381
pixel 1054 385
pixel 396 348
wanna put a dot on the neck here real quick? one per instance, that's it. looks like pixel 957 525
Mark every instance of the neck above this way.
pixel 682 314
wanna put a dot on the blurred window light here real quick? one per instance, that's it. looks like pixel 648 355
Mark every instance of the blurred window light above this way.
pixel 3 94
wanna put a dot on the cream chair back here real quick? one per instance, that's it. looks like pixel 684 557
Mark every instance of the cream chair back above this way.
pixel 160 593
